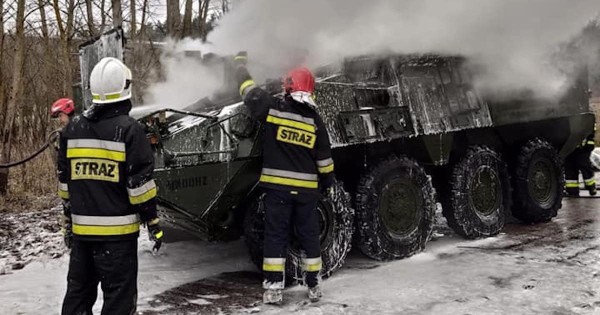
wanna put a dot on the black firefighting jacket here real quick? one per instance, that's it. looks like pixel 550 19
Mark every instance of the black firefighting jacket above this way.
pixel 296 147
pixel 105 166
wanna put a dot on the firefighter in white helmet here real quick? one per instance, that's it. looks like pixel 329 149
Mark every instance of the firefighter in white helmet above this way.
pixel 105 167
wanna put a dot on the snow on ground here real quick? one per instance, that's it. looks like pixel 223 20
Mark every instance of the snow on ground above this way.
pixel 40 286
pixel 551 268
pixel 29 236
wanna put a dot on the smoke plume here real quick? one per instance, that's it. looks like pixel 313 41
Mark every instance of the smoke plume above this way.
pixel 513 41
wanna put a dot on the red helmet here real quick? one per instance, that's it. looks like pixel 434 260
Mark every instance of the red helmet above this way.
pixel 63 105
pixel 299 79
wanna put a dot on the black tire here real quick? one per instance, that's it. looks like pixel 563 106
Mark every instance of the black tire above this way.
pixel 396 207
pixel 479 195
pixel 538 182
pixel 337 227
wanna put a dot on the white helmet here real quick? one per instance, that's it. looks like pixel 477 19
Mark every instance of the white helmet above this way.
pixel 110 81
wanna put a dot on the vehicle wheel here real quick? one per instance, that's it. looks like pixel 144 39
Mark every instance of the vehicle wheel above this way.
pixel 538 182
pixel 396 207
pixel 479 194
pixel 337 226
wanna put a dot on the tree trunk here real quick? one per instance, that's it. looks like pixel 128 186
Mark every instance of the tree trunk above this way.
pixel 187 19
pixel 90 17
pixel 144 10
pixel 117 13
pixel 133 26
pixel 103 15
pixel 47 59
pixel 2 86
pixel 15 93
pixel 173 18
pixel 202 17
pixel 65 32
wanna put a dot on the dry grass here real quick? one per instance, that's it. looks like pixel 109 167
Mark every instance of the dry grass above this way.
pixel 32 187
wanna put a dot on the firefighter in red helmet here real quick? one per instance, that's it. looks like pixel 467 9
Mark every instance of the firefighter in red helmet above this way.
pixel 63 109
pixel 297 165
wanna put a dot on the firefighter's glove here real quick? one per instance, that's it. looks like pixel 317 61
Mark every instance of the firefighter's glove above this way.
pixel 155 234
pixel 67 231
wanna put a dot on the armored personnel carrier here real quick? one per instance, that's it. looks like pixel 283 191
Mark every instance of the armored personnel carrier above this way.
pixel 407 132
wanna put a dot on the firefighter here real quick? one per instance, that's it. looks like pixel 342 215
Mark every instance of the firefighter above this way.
pixel 297 164
pixel 105 167
pixel 579 161
pixel 63 109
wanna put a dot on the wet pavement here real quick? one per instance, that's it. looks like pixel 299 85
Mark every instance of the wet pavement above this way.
pixel 551 268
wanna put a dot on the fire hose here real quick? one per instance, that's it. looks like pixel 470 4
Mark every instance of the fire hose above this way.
pixel 51 138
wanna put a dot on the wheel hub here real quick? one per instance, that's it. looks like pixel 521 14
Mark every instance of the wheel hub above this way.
pixel 542 182
pixel 400 207
pixel 486 190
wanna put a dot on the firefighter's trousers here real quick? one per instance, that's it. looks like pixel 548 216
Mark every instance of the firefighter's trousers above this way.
pixel 578 161
pixel 288 213
pixel 113 264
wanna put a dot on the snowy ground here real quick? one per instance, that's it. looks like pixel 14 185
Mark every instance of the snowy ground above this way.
pixel 551 268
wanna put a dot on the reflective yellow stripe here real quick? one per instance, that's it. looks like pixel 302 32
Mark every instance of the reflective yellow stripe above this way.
pixel 159 235
pixel 591 143
pixel 240 58
pixel 590 182
pixel 245 85
pixel 96 144
pixel 105 230
pixel 105 220
pixel 289 181
pixel 313 267
pixel 63 194
pixel 572 185
pixel 143 193
pixel 274 267
pixel 106 96
pixel 96 153
pixel 136 200
pixel 289 174
pixel 312 264
pixel 326 169
pixel 291 123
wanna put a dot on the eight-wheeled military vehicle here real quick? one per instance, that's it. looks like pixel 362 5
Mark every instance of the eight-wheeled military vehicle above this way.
pixel 407 132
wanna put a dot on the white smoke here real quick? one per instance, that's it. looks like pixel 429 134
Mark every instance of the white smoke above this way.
pixel 184 79
pixel 512 40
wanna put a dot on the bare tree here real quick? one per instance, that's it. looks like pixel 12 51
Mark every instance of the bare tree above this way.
pixel 133 26
pixel 90 18
pixel 117 13
pixel 65 30
pixel 202 18
pixel 46 42
pixel 187 19
pixel 144 10
pixel 173 18
pixel 15 93
pixel 2 88
pixel 102 15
